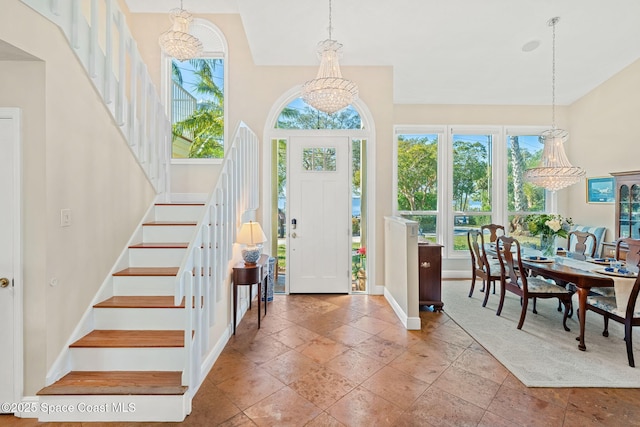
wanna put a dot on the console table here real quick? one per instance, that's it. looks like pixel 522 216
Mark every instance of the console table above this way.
pixel 249 275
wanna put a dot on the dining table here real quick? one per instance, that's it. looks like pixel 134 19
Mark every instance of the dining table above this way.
pixel 564 270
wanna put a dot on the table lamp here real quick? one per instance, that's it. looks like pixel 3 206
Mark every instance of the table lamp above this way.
pixel 251 234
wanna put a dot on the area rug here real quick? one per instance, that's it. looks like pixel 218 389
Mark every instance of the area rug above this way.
pixel 542 353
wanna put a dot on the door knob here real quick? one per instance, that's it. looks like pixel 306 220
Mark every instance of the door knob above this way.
pixel 294 235
pixel 4 282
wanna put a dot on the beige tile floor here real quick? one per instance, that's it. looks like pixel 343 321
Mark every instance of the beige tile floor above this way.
pixel 328 360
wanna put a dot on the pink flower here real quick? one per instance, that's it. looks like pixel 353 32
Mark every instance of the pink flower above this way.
pixel 362 251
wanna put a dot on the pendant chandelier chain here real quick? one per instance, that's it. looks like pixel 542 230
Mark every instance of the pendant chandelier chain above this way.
pixel 329 92
pixel 554 172
pixel 553 23
pixel 330 22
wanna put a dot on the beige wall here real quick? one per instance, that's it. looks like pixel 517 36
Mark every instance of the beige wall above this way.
pixel 253 91
pixel 22 85
pixel 605 125
pixel 74 157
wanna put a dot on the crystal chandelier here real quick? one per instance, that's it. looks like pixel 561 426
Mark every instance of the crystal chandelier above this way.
pixel 554 172
pixel 329 92
pixel 177 42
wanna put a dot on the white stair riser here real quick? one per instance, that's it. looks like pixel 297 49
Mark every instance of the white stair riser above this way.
pixel 127 359
pixel 123 408
pixel 138 318
pixel 167 233
pixel 178 212
pixel 144 285
pixel 156 257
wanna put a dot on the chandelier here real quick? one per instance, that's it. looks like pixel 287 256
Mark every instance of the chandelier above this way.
pixel 554 172
pixel 329 92
pixel 177 42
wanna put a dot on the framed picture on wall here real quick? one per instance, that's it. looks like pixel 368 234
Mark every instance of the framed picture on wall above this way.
pixel 600 190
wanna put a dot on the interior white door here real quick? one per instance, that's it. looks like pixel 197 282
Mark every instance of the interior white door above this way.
pixel 8 147
pixel 318 193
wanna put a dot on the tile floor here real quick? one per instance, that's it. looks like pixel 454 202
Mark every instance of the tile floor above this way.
pixel 329 360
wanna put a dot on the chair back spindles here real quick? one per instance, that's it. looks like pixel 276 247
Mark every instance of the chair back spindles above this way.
pixel 579 249
pixel 509 259
pixel 495 231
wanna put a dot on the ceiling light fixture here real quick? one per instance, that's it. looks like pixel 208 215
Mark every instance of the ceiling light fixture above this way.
pixel 554 172
pixel 329 92
pixel 177 42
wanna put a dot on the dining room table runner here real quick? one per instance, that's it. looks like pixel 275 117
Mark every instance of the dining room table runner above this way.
pixel 621 285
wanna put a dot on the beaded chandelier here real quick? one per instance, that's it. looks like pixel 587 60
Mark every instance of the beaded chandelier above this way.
pixel 554 172
pixel 177 42
pixel 329 92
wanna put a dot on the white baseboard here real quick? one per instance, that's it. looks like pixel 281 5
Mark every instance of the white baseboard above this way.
pixel 410 323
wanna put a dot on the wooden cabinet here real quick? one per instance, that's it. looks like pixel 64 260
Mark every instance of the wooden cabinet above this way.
pixel 627 204
pixel 430 275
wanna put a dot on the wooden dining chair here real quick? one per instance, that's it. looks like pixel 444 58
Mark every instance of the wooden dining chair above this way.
pixel 524 286
pixel 578 251
pixel 481 267
pixel 628 316
pixel 495 231
pixel 578 242
pixel 628 249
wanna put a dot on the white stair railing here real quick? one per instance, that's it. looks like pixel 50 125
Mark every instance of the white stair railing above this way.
pixel 98 35
pixel 205 268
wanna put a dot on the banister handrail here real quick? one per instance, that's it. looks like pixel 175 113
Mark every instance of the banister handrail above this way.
pixel 206 266
pixel 139 114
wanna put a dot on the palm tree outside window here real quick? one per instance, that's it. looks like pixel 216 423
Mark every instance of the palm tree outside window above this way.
pixel 197 108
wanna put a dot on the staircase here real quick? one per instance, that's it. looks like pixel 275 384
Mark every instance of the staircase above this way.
pixel 139 353
pixel 129 367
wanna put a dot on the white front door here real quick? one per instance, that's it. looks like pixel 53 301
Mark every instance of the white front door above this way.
pixel 319 215
pixel 9 207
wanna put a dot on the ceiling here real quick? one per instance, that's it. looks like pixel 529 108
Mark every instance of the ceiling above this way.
pixel 446 51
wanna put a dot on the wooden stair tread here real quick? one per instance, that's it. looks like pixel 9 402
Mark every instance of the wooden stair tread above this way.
pixel 117 383
pixel 131 339
pixel 165 223
pixel 139 302
pixel 167 245
pixel 148 271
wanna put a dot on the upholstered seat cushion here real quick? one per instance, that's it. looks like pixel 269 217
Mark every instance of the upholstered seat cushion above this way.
pixel 608 304
pixel 494 266
pixel 536 284
pixel 596 231
pixel 605 292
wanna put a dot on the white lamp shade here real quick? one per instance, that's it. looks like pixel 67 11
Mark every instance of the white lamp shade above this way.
pixel 251 234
